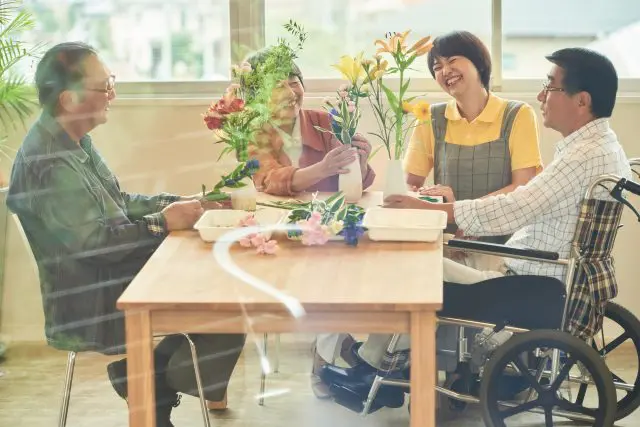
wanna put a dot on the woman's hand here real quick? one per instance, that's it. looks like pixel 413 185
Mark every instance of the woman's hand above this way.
pixel 364 151
pixel 401 201
pixel 439 190
pixel 334 161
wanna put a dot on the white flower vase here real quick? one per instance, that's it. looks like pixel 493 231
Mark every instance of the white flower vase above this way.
pixel 351 183
pixel 244 198
pixel 394 183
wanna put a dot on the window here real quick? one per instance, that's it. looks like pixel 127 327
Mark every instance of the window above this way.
pixel 142 40
pixel 533 29
pixel 194 40
pixel 346 27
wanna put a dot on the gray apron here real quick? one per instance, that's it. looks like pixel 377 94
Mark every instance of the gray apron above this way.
pixel 471 172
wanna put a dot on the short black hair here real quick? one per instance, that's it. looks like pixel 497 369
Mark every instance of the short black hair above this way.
pixel 462 43
pixel 586 70
pixel 61 68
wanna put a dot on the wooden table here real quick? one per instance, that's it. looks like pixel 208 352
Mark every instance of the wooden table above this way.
pixel 377 287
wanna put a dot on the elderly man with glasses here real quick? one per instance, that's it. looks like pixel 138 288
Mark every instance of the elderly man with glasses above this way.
pixel 90 238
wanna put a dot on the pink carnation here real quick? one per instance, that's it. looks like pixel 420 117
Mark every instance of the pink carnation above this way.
pixel 267 248
pixel 248 221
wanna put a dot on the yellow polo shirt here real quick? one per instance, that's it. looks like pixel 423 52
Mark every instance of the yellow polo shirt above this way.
pixel 523 141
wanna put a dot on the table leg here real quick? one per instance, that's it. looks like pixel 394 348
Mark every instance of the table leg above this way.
pixel 423 369
pixel 140 373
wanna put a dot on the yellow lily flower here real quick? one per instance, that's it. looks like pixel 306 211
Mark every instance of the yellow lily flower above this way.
pixel 407 107
pixel 422 46
pixel 422 111
pixel 377 70
pixel 351 68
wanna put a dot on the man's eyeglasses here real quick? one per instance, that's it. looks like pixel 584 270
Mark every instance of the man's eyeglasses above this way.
pixel 546 88
pixel 111 85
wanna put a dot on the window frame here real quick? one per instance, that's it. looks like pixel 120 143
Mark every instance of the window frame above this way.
pixel 250 14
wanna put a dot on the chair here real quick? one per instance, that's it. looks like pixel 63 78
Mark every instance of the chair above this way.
pixel 72 355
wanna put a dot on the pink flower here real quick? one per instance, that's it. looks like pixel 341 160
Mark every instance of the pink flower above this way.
pixel 258 239
pixel 351 107
pixel 233 88
pixel 315 218
pixel 343 94
pixel 248 221
pixel 314 236
pixel 267 248
pixel 245 242
pixel 344 87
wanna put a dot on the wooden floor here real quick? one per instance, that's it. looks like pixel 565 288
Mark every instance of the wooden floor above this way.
pixel 32 376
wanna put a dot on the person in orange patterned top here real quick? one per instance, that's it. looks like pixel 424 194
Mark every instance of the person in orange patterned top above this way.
pixel 295 156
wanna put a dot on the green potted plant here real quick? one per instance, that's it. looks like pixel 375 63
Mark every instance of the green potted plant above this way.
pixel 17 98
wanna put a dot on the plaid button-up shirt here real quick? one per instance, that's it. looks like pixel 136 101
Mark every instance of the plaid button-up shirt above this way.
pixel 544 213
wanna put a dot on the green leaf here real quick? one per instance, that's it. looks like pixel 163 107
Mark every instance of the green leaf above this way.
pixel 404 88
pixel 393 99
pixel 16 102
pixel 216 197
pixel 409 61
pixel 333 197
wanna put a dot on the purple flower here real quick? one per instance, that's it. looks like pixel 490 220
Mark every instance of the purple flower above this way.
pixel 352 232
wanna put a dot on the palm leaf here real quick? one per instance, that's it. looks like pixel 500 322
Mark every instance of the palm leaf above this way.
pixel 8 9
pixel 11 52
pixel 21 22
pixel 16 102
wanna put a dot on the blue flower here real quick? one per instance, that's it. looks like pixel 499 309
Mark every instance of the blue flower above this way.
pixel 229 182
pixel 352 232
pixel 253 164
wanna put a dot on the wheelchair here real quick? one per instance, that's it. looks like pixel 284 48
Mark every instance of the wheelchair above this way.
pixel 535 331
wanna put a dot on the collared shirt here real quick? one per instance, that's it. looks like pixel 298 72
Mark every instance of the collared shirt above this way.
pixel 292 144
pixel 88 237
pixel 543 214
pixel 523 141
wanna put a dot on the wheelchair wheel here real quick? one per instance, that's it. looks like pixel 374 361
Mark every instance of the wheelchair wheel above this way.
pixel 551 400
pixel 629 332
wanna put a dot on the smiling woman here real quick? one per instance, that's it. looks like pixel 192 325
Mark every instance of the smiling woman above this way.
pixel 294 156
pixel 477 144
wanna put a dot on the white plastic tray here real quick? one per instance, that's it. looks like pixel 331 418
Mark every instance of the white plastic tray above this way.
pixel 404 225
pixel 214 223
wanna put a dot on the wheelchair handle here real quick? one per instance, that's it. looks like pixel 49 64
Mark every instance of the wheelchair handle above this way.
pixel 630 186
pixel 622 184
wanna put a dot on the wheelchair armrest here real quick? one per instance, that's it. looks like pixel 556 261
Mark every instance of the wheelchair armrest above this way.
pixel 496 249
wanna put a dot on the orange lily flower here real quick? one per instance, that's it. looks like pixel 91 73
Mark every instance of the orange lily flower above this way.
pixel 392 45
pixel 422 46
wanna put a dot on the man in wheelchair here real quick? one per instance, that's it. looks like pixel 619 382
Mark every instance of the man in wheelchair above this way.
pixel 576 100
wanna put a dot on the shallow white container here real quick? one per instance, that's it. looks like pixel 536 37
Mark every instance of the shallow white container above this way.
pixel 404 225
pixel 214 223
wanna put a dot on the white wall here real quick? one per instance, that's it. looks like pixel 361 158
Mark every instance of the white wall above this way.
pixel 162 145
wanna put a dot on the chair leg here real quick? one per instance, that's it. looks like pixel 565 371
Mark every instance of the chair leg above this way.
pixel 276 367
pixel 66 391
pixel 196 367
pixel 263 373
pixel 377 382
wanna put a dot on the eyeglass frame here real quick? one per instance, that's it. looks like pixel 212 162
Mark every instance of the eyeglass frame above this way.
pixel 111 85
pixel 546 88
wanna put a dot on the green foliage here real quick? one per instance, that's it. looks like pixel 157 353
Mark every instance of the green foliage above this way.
pixel 16 96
